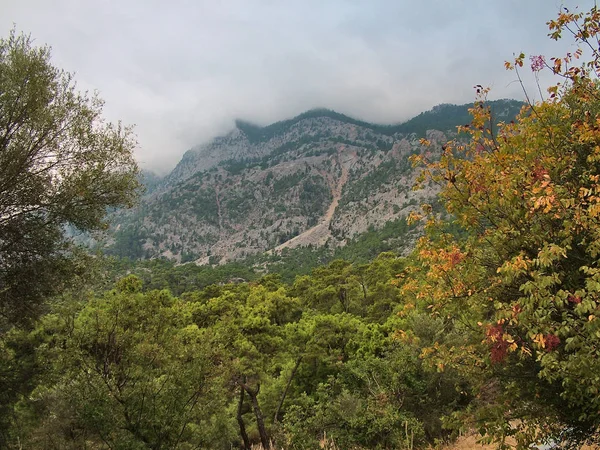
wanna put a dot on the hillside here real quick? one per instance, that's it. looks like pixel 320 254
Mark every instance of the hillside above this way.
pixel 319 179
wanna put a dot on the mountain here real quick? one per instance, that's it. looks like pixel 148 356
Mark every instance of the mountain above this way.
pixel 318 179
pixel 150 180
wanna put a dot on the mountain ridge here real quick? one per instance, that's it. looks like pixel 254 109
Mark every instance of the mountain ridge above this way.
pixel 455 115
pixel 257 189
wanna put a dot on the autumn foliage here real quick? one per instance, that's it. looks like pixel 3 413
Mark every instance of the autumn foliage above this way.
pixel 523 281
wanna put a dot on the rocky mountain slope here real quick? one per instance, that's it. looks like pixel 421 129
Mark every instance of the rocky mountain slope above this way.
pixel 318 179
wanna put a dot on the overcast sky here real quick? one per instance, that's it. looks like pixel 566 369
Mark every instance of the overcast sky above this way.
pixel 183 70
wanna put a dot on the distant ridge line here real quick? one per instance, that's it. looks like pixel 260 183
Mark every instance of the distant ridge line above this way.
pixel 457 115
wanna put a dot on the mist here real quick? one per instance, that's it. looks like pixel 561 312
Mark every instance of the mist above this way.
pixel 182 72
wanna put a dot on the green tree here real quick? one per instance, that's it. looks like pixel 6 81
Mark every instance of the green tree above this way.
pixel 364 384
pixel 332 288
pixel 129 371
pixel 61 165
pixel 246 326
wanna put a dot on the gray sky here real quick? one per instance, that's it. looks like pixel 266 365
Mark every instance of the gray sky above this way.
pixel 183 70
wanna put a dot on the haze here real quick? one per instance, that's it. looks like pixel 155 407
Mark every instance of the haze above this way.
pixel 182 71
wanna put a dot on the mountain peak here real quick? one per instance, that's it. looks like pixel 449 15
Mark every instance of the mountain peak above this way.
pixel 257 134
pixel 303 181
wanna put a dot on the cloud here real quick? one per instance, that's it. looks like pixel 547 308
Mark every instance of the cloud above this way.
pixel 182 71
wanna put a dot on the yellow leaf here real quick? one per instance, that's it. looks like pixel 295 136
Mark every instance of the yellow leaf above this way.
pixel 540 340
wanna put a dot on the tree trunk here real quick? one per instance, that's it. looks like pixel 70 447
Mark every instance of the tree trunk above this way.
pixel 287 387
pixel 240 421
pixel 363 285
pixel 342 294
pixel 260 422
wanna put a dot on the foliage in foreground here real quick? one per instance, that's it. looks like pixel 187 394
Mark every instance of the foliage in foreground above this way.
pixel 60 165
pixel 526 279
pixel 238 364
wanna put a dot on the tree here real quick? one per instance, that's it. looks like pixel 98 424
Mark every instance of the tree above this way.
pixel 246 325
pixel 523 286
pixel 129 371
pixel 61 165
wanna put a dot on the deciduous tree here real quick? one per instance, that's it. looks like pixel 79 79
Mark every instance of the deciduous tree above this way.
pixel 524 285
pixel 61 165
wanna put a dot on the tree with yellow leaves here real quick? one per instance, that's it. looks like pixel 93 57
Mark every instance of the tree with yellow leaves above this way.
pixel 524 284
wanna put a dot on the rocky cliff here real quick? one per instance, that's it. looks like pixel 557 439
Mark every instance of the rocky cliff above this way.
pixel 318 179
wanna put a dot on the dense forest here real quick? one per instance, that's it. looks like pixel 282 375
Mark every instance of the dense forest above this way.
pixel 489 326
